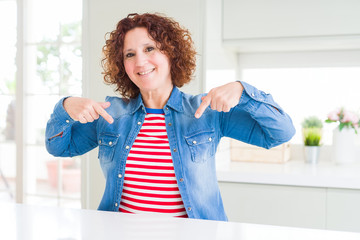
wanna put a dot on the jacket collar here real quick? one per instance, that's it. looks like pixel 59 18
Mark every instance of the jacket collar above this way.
pixel 175 101
pixel 137 103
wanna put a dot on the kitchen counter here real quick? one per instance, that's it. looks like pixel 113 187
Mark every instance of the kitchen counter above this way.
pixel 37 223
pixel 296 194
pixel 294 173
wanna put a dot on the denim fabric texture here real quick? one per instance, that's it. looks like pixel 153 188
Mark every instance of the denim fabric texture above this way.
pixel 256 120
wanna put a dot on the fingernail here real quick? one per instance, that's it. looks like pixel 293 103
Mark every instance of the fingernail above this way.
pixel 197 115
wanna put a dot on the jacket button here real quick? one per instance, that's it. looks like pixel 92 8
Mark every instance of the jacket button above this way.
pixel 119 175
pixel 139 123
pixel 127 147
pixel 166 108
pixel 189 208
pixel 99 141
pixel 181 179
pixel 174 150
pixel 210 139
pixel 110 143
pixel 194 142
pixel 67 121
pixel 116 204
pixel 253 95
pixel 169 124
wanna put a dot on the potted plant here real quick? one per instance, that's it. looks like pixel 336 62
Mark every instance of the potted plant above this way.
pixel 345 135
pixel 312 134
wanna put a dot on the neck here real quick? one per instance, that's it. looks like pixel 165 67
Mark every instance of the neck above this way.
pixel 154 99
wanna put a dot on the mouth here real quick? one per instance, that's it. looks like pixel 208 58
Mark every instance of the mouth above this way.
pixel 146 72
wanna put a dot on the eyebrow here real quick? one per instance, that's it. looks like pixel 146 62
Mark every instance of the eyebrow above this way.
pixel 130 49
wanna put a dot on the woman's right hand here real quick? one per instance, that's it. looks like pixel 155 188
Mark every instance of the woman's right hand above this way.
pixel 86 110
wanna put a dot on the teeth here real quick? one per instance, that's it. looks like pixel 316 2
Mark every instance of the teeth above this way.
pixel 148 71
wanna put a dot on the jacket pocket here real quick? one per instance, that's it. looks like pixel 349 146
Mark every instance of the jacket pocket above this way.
pixel 201 145
pixel 107 143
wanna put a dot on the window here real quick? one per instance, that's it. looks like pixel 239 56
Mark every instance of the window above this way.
pixel 303 83
pixel 306 83
pixel 52 69
pixel 304 92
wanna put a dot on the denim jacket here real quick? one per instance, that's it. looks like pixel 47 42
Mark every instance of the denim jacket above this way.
pixel 256 120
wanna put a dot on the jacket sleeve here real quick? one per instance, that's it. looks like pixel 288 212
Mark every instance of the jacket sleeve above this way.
pixel 65 137
pixel 257 120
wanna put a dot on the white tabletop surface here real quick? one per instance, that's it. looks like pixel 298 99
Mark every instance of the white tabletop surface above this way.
pixel 36 223
pixel 293 172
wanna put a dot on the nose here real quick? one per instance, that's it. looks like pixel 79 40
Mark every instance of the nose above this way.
pixel 140 59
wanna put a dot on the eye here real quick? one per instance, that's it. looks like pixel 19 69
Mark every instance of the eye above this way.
pixel 129 55
pixel 149 49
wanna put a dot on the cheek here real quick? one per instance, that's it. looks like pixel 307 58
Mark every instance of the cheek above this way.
pixel 128 68
pixel 165 62
pixel 168 67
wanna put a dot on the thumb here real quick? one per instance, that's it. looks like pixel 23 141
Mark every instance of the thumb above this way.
pixel 105 105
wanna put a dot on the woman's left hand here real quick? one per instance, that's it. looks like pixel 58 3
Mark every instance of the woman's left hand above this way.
pixel 221 99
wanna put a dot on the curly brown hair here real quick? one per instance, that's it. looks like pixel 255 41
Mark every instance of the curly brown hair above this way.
pixel 174 41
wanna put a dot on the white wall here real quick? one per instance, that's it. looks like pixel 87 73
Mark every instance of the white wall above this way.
pixel 217 57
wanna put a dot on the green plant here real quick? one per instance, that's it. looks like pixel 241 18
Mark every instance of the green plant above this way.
pixel 312 131
pixel 312 122
pixel 312 136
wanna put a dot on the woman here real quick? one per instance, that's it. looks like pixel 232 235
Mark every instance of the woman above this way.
pixel 157 144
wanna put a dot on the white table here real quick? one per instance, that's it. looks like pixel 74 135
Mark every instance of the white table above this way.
pixel 37 223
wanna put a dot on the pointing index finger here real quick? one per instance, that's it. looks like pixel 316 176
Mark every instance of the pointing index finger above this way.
pixel 102 112
pixel 204 104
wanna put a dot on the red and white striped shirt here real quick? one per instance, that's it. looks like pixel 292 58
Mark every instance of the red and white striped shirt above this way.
pixel 149 183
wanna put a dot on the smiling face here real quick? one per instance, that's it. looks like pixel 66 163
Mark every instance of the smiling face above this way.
pixel 147 67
